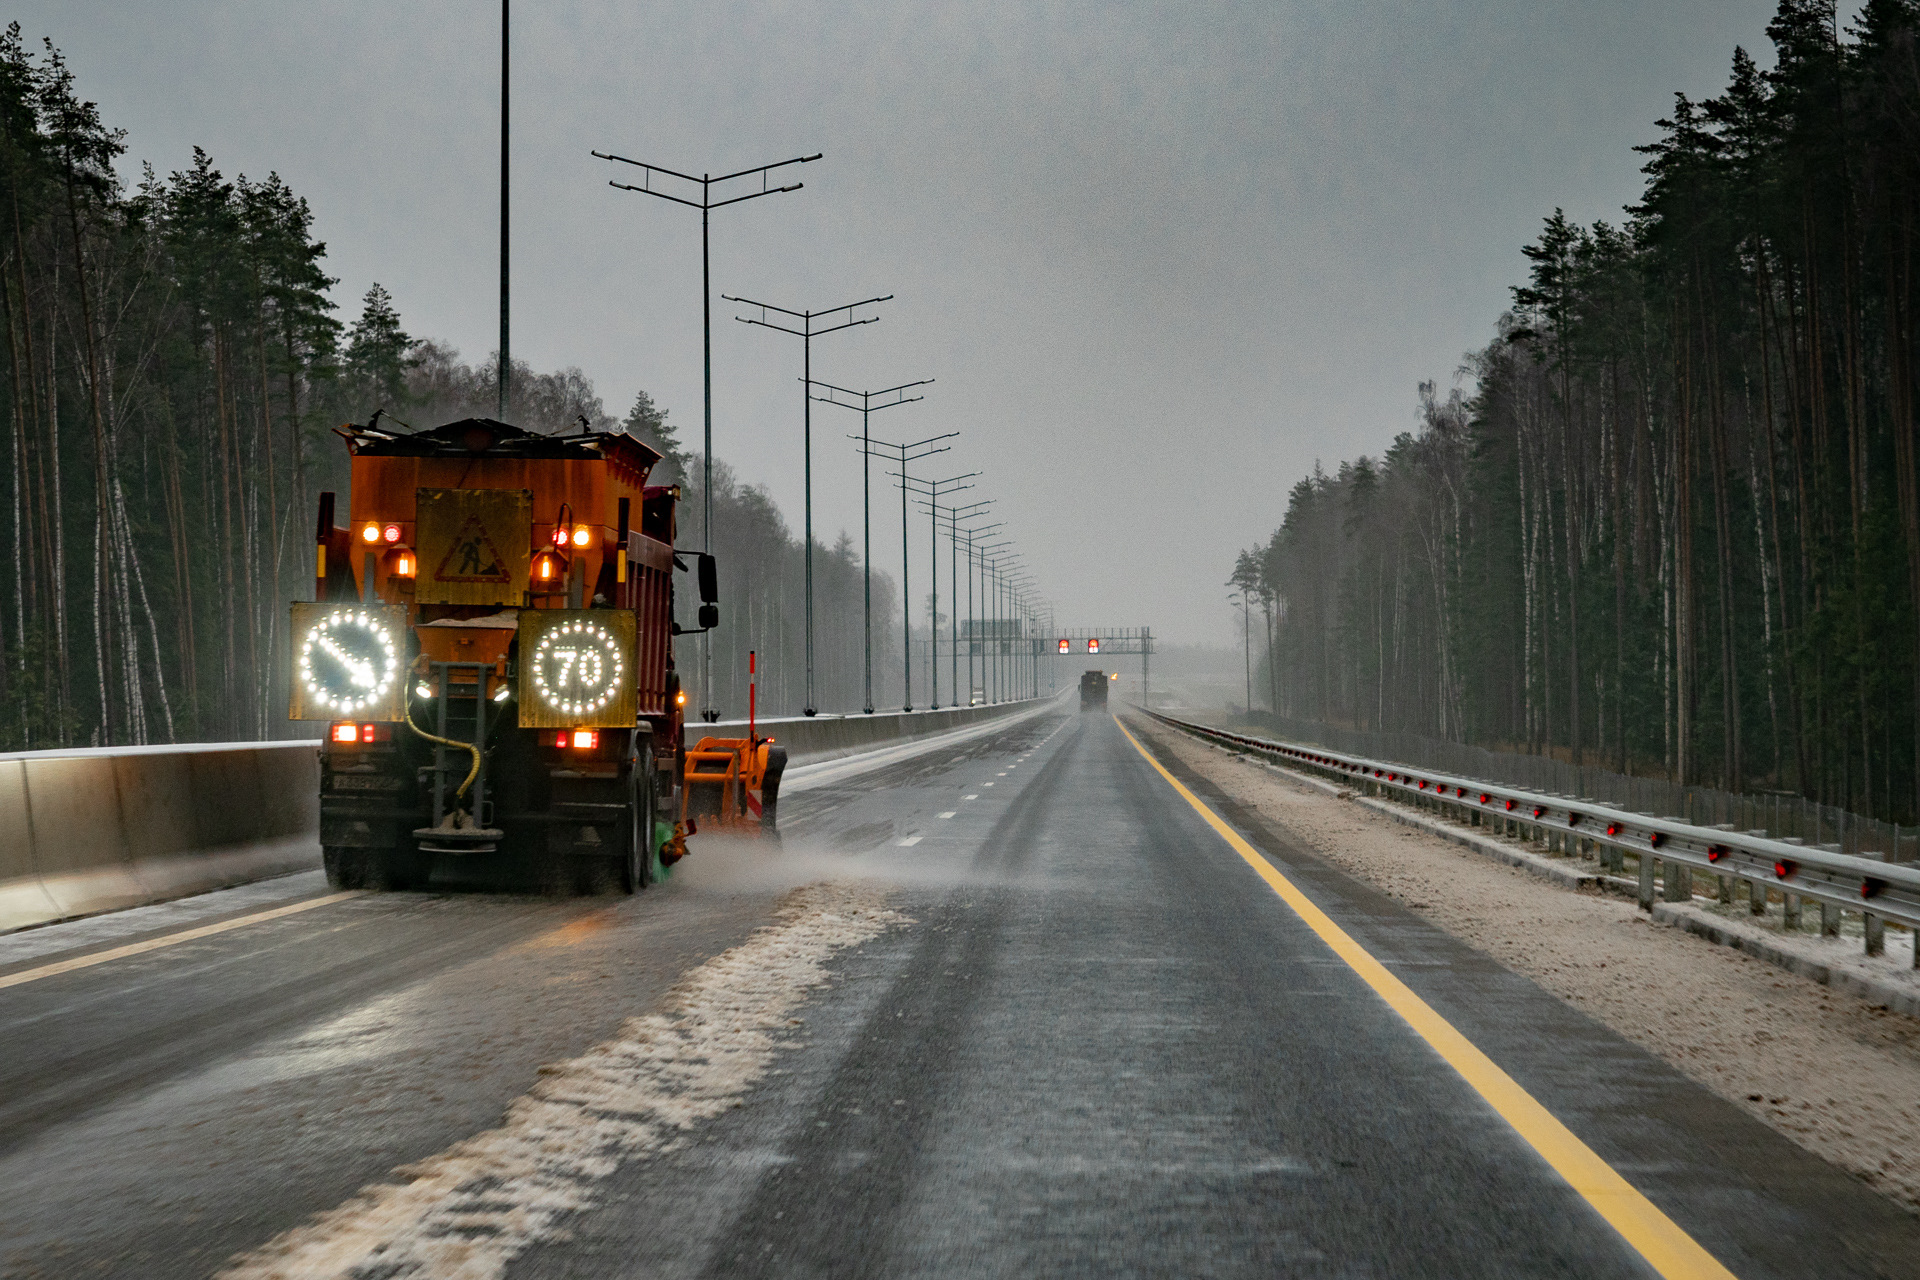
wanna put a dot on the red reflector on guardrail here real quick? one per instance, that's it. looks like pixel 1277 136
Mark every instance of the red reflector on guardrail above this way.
pixel 1511 804
pixel 1656 838
pixel 1870 888
pixel 1715 852
pixel 1613 828
pixel 1785 868
pixel 1539 811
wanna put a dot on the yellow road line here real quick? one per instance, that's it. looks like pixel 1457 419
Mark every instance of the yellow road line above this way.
pixel 1656 1237
pixel 169 940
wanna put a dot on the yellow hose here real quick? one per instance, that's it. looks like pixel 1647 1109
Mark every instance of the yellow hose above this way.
pixel 451 742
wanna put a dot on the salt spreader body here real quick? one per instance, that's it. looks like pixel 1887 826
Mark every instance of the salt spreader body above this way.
pixel 491 645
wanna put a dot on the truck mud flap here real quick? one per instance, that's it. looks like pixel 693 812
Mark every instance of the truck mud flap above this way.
pixel 770 787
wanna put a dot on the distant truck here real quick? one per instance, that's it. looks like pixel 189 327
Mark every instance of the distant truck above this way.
pixel 1093 691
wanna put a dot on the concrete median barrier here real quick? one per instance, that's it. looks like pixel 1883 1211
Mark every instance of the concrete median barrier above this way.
pixel 94 830
pixel 103 828
pixel 811 739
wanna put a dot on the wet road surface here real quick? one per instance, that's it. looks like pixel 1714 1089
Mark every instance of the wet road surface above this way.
pixel 1095 1043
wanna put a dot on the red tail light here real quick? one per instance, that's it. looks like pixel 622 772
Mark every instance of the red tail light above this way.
pixel 585 739
pixel 346 733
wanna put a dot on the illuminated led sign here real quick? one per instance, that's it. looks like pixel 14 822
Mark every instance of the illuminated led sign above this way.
pixel 576 668
pixel 347 661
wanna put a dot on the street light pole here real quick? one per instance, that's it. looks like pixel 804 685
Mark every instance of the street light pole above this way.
pixel 506 364
pixel 1004 602
pixel 990 605
pixel 807 333
pixel 933 490
pixel 903 454
pixel 973 510
pixel 1018 610
pixel 867 409
pixel 973 616
pixel 705 204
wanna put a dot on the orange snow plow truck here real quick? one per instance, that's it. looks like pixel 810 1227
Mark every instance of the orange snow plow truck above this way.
pixel 491 646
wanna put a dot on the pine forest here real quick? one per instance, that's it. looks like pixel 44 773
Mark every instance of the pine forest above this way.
pixel 1669 525
pixel 173 374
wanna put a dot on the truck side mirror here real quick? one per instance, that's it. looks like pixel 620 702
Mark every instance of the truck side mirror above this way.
pixel 709 616
pixel 709 585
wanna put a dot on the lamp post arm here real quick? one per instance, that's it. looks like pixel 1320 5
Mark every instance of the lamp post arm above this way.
pixel 754 195
pixel 765 168
pixel 691 204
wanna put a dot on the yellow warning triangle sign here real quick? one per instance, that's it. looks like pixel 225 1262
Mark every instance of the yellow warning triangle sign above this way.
pixel 472 557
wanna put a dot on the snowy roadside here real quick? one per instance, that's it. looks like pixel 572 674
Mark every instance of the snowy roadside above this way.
pixel 1838 1074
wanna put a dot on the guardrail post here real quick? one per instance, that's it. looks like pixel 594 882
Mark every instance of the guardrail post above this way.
pixel 1726 890
pixel 1790 913
pixel 1829 920
pixel 1757 897
pixel 1646 881
pixel 1679 881
pixel 1876 933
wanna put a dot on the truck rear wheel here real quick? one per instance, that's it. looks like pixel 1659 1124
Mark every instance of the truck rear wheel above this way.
pixel 637 873
pixel 346 866
pixel 399 869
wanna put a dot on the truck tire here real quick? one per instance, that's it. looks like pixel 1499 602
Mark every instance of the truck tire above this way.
pixel 398 869
pixel 637 872
pixel 346 866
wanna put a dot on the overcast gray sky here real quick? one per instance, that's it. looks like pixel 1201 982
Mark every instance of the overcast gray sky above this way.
pixel 1159 257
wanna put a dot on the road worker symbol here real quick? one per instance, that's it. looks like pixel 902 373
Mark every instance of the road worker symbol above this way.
pixel 472 557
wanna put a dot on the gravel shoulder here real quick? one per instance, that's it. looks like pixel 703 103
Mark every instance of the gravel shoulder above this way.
pixel 1833 1073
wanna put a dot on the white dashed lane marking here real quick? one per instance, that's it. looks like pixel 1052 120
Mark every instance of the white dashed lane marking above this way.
pixel 909 842
pixel 949 813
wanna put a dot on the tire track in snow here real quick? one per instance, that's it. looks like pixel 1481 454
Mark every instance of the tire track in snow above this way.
pixel 466 1213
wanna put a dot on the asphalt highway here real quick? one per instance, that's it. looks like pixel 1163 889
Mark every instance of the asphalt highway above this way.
pixel 1080 1036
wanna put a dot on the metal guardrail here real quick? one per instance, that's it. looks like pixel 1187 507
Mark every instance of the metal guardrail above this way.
pixel 1879 891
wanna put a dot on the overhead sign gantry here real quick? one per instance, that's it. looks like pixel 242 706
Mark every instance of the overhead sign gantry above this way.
pixel 1109 642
